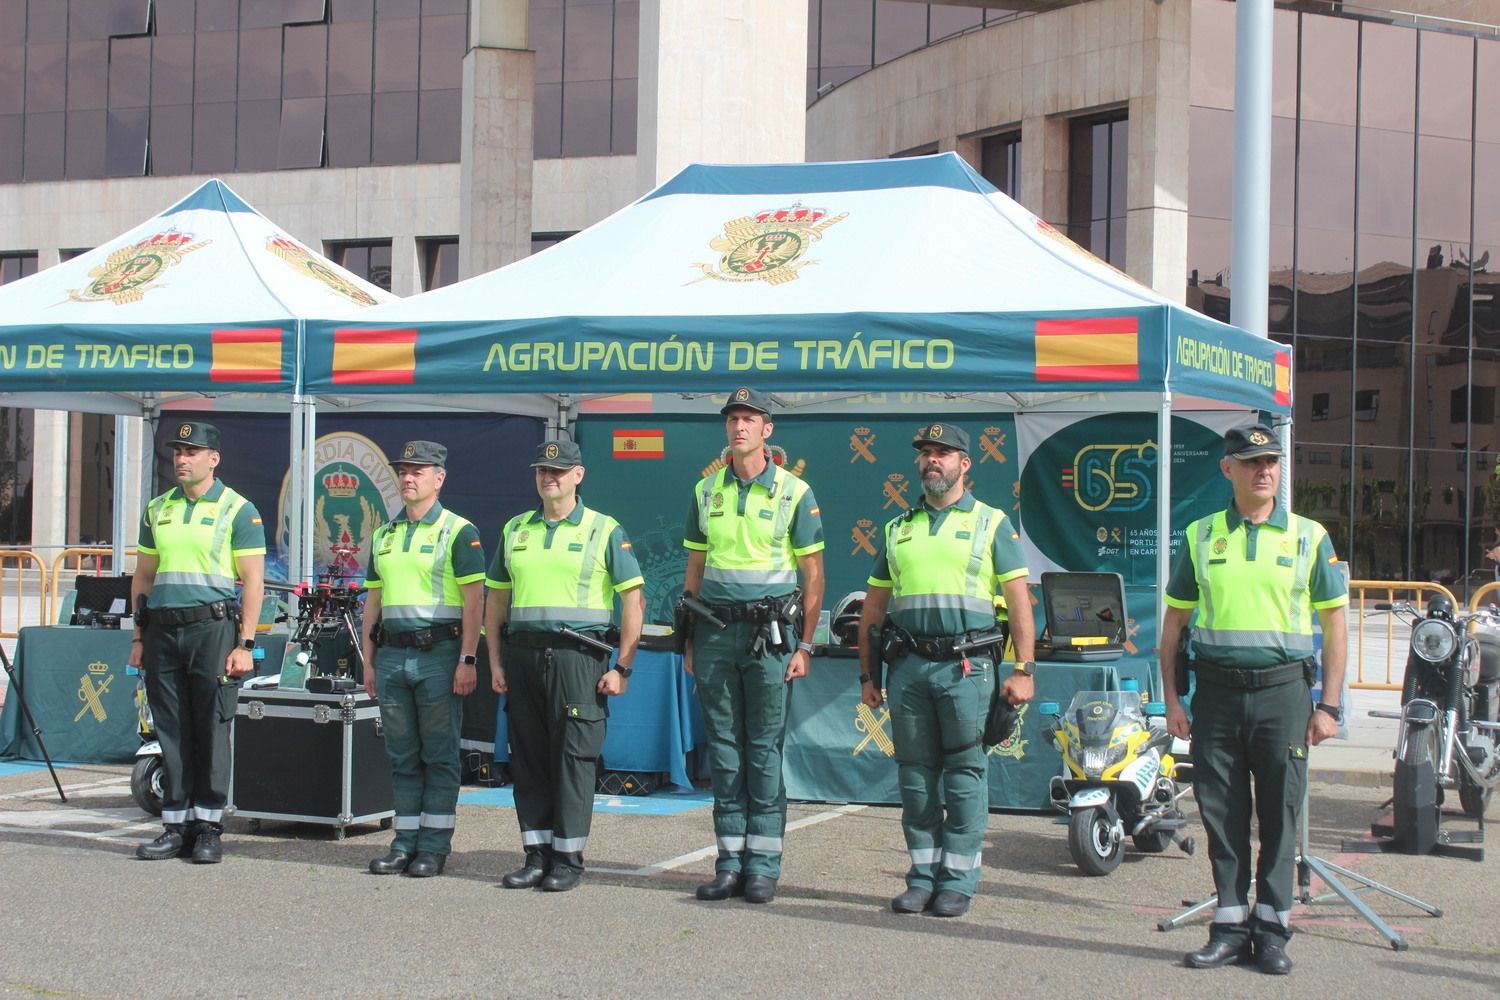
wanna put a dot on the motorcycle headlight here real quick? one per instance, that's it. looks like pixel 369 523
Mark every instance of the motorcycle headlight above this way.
pixel 1433 640
pixel 1099 758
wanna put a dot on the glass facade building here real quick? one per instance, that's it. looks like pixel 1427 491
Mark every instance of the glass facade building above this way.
pixel 1385 211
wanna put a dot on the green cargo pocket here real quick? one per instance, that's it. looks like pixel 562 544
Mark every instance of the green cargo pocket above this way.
pixel 229 700
pixel 583 730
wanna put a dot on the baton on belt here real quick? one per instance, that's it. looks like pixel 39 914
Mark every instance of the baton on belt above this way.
pixel 703 612
pixel 587 640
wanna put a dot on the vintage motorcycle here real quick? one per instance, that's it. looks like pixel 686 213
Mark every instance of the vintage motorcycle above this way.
pixel 1117 778
pixel 1449 735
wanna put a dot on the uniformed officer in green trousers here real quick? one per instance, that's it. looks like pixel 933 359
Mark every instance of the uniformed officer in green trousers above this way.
pixel 937 574
pixel 426 593
pixel 559 567
pixel 751 527
pixel 1256 575
pixel 195 642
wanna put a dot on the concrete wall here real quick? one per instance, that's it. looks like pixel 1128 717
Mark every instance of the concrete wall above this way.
pixel 1034 74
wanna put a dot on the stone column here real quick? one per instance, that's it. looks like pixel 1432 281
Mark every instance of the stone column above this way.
pixel 499 89
pixel 49 465
pixel 723 81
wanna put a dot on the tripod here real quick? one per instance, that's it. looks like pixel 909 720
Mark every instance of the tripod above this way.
pixel 36 731
pixel 1309 864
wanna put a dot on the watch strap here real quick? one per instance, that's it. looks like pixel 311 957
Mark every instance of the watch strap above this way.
pixel 623 670
pixel 468 659
pixel 1334 710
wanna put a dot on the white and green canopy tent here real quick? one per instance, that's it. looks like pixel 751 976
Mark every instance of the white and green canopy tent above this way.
pixel 205 301
pixel 910 279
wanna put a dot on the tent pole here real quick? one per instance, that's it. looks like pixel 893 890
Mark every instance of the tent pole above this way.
pixel 118 526
pixel 305 498
pixel 1163 517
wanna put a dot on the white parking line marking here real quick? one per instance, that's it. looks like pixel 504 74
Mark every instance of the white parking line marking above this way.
pixel 709 852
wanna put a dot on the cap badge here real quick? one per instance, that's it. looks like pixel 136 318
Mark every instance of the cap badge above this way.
pixel 551 451
pixel 1257 438
pixel 935 432
pixel 740 395
pixel 409 451
pixel 185 431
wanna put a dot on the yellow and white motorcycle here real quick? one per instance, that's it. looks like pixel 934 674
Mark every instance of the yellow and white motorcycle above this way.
pixel 1117 779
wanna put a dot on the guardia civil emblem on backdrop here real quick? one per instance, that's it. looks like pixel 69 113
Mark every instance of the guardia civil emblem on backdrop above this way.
pixel 354 491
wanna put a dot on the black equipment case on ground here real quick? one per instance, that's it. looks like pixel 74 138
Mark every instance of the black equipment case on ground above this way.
pixel 310 758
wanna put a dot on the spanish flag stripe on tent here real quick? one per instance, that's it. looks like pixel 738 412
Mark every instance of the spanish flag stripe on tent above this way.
pixel 251 355
pixel 1091 349
pixel 374 357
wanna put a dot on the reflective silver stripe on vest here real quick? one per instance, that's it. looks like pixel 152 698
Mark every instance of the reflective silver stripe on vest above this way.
pixel 421 612
pixel 960 862
pixel 1254 639
pixel 983 516
pixel 590 551
pixel 705 496
pixel 1300 580
pixel 766 577
pixel 1205 592
pixel 600 616
pixel 196 579
pixel 229 508
pixel 942 602
pixel 783 502
pixel 440 556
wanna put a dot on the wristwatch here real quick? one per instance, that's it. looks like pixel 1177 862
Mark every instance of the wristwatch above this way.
pixel 1026 668
pixel 805 647
pixel 247 643
pixel 1333 710
pixel 865 678
pixel 624 671
pixel 468 659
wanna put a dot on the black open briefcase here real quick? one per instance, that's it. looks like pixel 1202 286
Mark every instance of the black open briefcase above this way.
pixel 310 758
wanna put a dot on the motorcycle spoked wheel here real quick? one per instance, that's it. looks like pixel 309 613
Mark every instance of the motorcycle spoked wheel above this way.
pixel 145 784
pixel 1091 840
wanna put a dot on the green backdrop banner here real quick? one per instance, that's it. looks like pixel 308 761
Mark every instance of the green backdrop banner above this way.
pixel 641 469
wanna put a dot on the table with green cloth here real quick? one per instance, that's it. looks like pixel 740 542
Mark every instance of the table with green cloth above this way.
pixel 840 750
pixel 76 686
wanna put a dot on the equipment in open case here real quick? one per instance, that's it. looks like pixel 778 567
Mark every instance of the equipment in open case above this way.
pixel 310 758
pixel 1085 617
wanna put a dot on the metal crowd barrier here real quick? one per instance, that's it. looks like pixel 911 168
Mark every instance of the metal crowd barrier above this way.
pixel 1491 588
pixel 16 565
pixel 91 560
pixel 1378 644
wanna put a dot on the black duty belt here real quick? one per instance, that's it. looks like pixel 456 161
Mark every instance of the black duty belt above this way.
pixel 557 640
pixel 1253 678
pixel 942 647
pixel 178 617
pixel 736 612
pixel 423 638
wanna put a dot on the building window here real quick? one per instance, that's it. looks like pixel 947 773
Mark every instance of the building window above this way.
pixel 1367 404
pixel 541 241
pixel 1480 397
pixel 439 262
pixel 1000 161
pixel 1098 158
pixel 1320 406
pixel 1319 458
pixel 370 259
pixel 16 265
pixel 587 52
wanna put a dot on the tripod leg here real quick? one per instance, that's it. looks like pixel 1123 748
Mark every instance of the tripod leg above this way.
pixel 36 731
pixel 1369 883
pixel 1398 943
pixel 1172 923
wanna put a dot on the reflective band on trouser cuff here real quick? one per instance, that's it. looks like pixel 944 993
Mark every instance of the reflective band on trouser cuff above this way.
pixel 943 602
pixel 421 613
pixel 925 855
pixel 544 614
pixel 174 815
pixel 1264 912
pixel 768 577
pixel 196 580
pixel 961 862
pixel 407 823
pixel 733 844
pixel 755 842
pixel 1231 914
pixel 203 815
pixel 437 821
pixel 535 838
pixel 567 845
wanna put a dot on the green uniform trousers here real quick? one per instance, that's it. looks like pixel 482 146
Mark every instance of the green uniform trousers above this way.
pixel 556 720
pixel 1240 737
pixel 937 716
pixel 422 717
pixel 192 708
pixel 744 705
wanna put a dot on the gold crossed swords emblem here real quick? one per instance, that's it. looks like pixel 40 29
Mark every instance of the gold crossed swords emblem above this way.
pixel 863 535
pixel 93 697
pixel 894 489
pixel 990 443
pixel 859 443
pixel 873 726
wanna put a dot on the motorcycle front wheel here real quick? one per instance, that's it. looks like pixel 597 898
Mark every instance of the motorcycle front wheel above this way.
pixel 1092 841
pixel 145 784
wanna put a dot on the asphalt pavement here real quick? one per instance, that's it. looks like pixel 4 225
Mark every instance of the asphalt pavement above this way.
pixel 292 912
